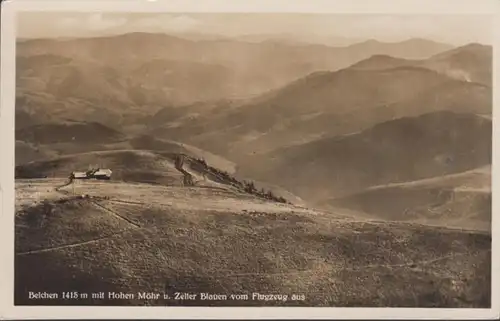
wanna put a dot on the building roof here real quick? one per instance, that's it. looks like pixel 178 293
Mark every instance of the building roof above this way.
pixel 79 174
pixel 103 171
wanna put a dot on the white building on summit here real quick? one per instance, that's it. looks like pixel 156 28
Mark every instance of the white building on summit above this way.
pixel 79 175
pixel 102 173
pixel 99 173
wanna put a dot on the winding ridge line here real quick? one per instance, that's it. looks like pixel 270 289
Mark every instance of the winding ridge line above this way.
pixel 116 214
pixel 55 248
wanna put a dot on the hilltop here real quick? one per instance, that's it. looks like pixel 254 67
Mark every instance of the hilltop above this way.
pixel 471 63
pixel 413 48
pixel 46 140
pixel 127 166
pixel 380 62
pixel 149 166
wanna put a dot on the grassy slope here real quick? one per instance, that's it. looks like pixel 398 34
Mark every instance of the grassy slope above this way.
pixel 154 238
pixel 462 199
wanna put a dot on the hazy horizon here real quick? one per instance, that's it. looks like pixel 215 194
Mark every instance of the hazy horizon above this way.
pixel 327 29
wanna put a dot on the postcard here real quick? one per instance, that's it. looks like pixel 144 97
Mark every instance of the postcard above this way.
pixel 249 159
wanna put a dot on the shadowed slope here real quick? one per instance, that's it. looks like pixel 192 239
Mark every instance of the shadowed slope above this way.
pixel 401 150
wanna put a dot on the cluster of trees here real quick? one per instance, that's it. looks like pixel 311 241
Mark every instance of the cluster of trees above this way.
pixel 222 176
pixel 202 162
pixel 247 186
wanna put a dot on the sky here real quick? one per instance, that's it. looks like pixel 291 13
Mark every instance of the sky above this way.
pixel 329 29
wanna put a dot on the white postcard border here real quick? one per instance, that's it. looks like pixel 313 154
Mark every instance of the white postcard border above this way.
pixel 7 112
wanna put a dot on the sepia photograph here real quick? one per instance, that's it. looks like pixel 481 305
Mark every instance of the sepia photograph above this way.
pixel 253 159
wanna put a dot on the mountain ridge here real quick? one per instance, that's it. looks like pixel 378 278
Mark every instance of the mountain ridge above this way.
pixel 403 149
pixel 350 98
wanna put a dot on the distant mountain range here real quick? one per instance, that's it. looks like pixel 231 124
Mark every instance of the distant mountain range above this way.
pixel 323 122
pixel 325 104
pixel 140 72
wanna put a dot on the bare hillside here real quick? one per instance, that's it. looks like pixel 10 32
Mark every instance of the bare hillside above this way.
pixel 461 200
pixel 139 237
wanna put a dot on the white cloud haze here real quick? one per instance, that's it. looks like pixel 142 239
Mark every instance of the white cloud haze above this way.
pixel 454 29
